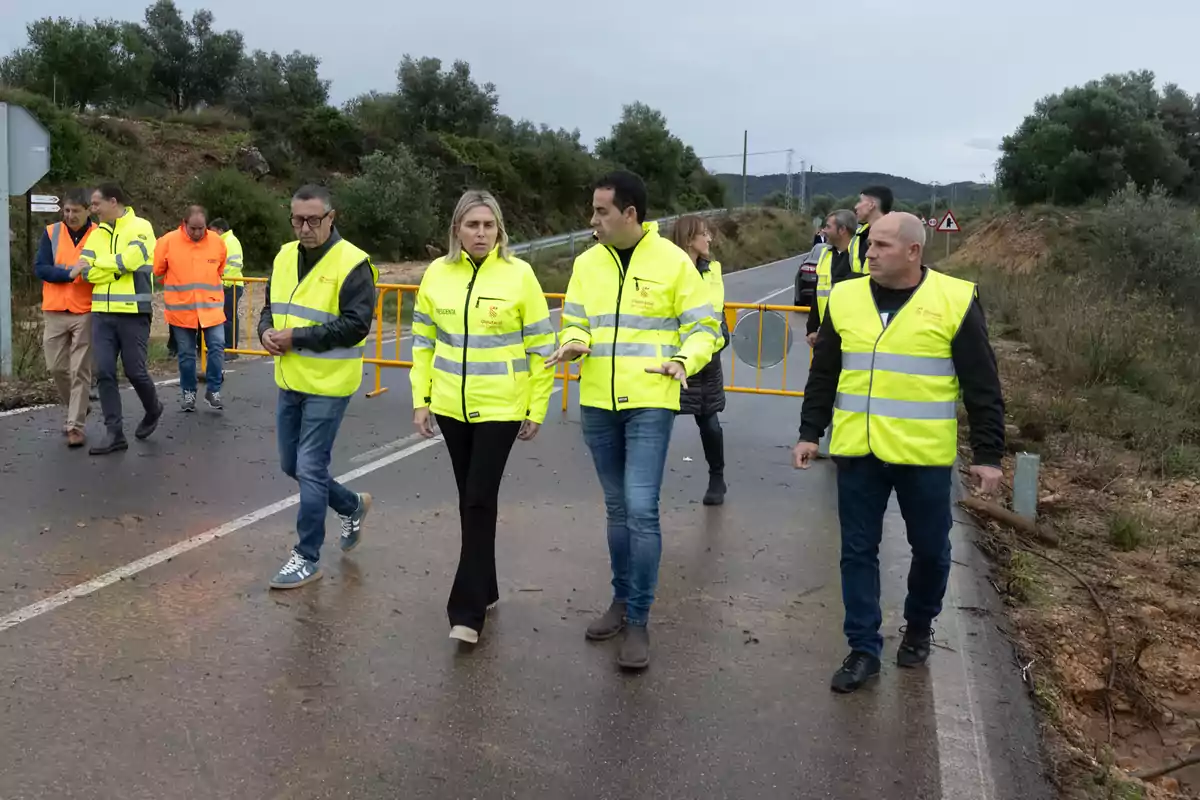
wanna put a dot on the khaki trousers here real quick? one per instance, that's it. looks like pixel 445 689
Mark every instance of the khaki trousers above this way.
pixel 67 342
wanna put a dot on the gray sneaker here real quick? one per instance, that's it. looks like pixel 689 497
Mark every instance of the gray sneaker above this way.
pixel 352 525
pixel 189 401
pixel 214 400
pixel 609 624
pixel 635 649
pixel 296 572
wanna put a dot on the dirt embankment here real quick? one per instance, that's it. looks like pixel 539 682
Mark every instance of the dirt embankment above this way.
pixel 1107 624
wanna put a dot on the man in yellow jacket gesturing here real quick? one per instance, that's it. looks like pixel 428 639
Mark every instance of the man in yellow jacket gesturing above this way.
pixel 639 314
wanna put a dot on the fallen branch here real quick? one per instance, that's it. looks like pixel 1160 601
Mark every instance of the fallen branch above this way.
pixel 1005 517
pixel 1151 774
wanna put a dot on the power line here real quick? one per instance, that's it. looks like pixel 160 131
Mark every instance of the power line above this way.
pixel 739 155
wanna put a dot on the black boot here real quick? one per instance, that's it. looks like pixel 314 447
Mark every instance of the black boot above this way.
pixel 715 496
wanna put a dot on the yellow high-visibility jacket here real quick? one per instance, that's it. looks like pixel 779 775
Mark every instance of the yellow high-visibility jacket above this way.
pixel 658 309
pixel 858 251
pixel 897 395
pixel 481 335
pixel 120 261
pixel 233 258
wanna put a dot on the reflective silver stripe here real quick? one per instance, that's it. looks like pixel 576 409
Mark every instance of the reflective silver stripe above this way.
pixel 823 292
pixel 480 341
pixel 339 353
pixel 421 318
pixel 192 306
pixel 903 364
pixel 575 310
pixel 635 322
pixel 899 409
pixel 126 298
pixel 606 350
pixel 121 264
pixel 520 365
pixel 473 367
pixel 696 330
pixel 55 232
pixel 669 350
pixel 145 252
pixel 545 351
pixel 236 261
pixel 188 287
pixel 303 312
pixel 538 328
pixel 422 342
pixel 696 314
pixel 87 253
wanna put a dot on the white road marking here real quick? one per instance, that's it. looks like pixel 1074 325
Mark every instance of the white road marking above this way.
pixel 48 604
pixel 762 300
pixel 12 412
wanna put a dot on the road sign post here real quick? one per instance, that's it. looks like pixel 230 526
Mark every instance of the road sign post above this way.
pixel 948 225
pixel 24 159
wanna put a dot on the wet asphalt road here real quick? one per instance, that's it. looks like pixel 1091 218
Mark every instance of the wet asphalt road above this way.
pixel 190 679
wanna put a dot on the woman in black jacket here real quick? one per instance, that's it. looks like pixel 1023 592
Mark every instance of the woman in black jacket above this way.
pixel 705 396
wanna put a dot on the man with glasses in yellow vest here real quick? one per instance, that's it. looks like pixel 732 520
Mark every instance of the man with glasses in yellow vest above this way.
pixel 894 354
pixel 641 318
pixel 318 312
pixel 118 262
pixel 233 289
pixel 873 203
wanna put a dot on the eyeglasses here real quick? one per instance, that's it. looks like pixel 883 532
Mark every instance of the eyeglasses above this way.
pixel 312 222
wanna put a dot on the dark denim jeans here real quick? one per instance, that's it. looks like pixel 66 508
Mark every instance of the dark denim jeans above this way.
pixel 629 449
pixel 864 486
pixel 187 341
pixel 307 425
pixel 232 326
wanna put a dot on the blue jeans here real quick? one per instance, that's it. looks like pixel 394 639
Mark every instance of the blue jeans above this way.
pixel 864 486
pixel 629 449
pixel 187 342
pixel 307 424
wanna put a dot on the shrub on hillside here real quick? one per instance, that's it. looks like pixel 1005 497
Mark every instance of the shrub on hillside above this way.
pixel 258 217
pixel 69 151
pixel 389 208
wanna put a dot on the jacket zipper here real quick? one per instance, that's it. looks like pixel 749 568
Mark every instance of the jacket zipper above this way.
pixel 617 322
pixel 467 336
pixel 112 245
pixel 479 300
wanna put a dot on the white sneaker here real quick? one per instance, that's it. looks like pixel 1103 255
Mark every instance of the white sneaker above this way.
pixel 464 634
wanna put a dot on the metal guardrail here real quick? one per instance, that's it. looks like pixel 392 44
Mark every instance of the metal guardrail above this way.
pixel 586 235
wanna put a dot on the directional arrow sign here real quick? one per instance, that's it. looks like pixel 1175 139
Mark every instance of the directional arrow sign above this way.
pixel 44 208
pixel 949 224
pixel 42 198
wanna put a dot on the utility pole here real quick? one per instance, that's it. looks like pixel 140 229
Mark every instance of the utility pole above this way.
pixel 933 200
pixel 803 188
pixel 787 191
pixel 745 151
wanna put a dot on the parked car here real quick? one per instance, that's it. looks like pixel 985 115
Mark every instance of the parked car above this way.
pixel 806 277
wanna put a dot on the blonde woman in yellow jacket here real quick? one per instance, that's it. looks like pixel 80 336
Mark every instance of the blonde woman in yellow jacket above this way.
pixel 481 334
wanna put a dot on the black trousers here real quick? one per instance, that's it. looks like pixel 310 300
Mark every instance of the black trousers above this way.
pixel 478 452
pixel 126 336
pixel 712 439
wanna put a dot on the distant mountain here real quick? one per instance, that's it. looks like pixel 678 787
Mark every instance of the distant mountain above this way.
pixel 846 184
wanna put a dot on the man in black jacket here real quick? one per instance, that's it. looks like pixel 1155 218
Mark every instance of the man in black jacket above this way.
pixel 890 372
pixel 318 312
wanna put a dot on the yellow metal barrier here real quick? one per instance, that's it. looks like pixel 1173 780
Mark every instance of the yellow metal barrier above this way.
pixel 731 316
pixel 566 374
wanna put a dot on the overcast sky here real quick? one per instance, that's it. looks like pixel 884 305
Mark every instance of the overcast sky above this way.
pixel 924 91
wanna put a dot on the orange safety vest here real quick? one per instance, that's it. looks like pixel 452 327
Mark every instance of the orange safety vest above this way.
pixel 74 297
pixel 191 272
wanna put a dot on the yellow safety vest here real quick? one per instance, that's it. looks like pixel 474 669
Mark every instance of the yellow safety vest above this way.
pixel 897 397
pixel 658 309
pixel 824 281
pixel 233 258
pixel 120 261
pixel 716 287
pixel 481 336
pixel 314 301
pixel 858 256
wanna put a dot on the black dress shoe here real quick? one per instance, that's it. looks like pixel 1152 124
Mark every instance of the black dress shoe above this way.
pixel 914 647
pixel 149 423
pixel 857 669
pixel 110 444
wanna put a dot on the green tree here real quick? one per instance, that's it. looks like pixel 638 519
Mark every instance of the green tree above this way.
pixel 822 204
pixel 276 84
pixel 191 63
pixel 80 64
pixel 429 99
pixel 70 148
pixel 1090 141
pixel 259 217
pixel 389 207
pixel 642 143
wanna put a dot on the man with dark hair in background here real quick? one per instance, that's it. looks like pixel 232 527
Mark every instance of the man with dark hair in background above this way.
pixel 67 311
pixel 233 289
pixel 639 315
pixel 118 261
pixel 873 203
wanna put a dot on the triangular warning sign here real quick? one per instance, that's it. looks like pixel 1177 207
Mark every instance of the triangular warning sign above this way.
pixel 948 224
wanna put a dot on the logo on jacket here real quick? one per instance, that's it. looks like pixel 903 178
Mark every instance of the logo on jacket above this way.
pixel 492 311
pixel 328 280
pixel 445 312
